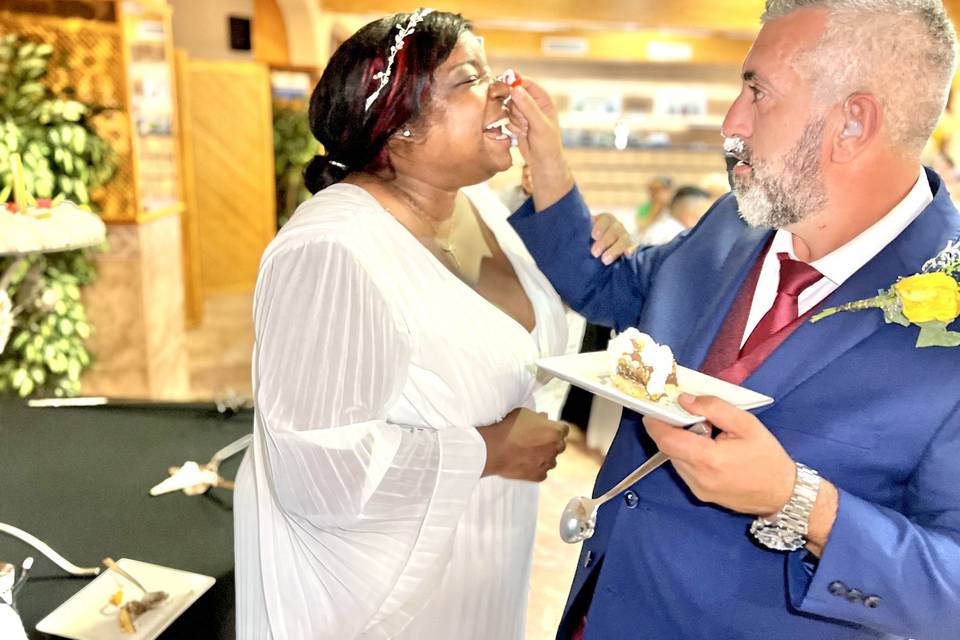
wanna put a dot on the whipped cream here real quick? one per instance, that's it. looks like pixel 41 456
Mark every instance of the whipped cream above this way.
pixel 655 356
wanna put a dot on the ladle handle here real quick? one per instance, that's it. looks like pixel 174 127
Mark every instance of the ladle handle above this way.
pixel 653 462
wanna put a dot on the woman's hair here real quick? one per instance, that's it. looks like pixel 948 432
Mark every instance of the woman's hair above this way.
pixel 355 138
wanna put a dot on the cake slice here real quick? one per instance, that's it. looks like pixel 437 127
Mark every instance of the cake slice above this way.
pixel 641 367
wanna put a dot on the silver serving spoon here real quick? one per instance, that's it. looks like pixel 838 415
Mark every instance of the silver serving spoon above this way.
pixel 579 518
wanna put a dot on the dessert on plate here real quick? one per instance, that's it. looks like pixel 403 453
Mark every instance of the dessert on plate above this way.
pixel 642 368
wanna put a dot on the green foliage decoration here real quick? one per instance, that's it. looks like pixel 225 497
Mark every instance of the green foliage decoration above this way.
pixel 63 156
pixel 293 147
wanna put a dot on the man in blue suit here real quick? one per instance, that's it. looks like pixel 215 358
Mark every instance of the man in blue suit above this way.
pixel 835 512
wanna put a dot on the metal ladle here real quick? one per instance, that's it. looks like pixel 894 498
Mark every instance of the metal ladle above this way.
pixel 579 519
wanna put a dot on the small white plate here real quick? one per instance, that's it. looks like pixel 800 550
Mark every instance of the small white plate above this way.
pixel 86 616
pixel 591 372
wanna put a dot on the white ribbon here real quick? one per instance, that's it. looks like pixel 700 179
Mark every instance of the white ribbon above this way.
pixel 51 555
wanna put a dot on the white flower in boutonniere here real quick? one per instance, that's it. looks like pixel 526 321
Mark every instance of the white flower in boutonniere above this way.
pixel 929 299
pixel 6 319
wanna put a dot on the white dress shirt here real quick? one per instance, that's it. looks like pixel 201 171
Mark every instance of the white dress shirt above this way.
pixel 840 264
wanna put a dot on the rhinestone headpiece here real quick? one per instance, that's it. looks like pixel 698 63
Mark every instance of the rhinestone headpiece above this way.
pixel 402 32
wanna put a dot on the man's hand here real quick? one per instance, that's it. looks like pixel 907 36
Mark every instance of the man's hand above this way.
pixel 533 117
pixel 744 469
pixel 611 239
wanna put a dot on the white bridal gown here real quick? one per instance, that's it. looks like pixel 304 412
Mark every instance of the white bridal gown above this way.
pixel 360 512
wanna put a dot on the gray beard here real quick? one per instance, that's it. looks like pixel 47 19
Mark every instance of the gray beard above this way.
pixel 776 200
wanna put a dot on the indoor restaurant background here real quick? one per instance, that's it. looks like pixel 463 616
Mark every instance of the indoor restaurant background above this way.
pixel 199 111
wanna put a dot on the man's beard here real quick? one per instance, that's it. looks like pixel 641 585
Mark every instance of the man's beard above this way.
pixel 777 200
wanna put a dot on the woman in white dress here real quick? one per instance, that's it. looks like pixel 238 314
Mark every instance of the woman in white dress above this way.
pixel 390 491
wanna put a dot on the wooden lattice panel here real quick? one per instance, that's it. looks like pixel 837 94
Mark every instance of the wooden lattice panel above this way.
pixel 88 59
pixel 226 107
pixel 105 10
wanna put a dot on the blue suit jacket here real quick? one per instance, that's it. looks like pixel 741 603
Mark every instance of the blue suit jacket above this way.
pixel 854 399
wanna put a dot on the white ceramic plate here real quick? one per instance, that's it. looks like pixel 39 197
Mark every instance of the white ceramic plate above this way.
pixel 591 372
pixel 86 616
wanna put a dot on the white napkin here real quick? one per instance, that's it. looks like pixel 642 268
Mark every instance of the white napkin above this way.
pixel 186 478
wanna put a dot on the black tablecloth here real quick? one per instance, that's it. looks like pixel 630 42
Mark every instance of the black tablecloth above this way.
pixel 78 479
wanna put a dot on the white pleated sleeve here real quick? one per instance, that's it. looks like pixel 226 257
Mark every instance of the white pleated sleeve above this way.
pixel 357 514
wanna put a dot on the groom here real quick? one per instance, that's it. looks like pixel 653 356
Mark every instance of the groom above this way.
pixel 835 512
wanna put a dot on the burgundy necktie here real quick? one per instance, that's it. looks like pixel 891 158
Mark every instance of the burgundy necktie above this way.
pixel 795 276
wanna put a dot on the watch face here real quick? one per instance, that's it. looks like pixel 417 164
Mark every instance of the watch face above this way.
pixel 780 539
pixel 770 539
pixel 791 540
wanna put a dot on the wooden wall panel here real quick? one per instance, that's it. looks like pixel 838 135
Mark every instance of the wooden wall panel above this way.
pixel 729 15
pixel 269 34
pixel 227 110
pixel 190 238
pixel 621 46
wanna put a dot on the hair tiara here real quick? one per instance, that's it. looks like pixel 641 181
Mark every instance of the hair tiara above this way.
pixel 403 31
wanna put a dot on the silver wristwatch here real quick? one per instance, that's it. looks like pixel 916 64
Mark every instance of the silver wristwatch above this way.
pixel 787 530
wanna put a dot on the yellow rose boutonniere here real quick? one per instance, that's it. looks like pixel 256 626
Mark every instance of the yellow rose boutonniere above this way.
pixel 929 299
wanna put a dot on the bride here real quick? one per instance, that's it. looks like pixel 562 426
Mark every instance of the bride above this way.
pixel 391 487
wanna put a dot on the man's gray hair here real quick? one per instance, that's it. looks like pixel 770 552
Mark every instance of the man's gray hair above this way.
pixel 901 51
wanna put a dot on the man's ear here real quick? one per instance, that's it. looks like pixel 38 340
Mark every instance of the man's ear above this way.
pixel 861 115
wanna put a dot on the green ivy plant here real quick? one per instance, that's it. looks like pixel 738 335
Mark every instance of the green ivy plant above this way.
pixel 62 157
pixel 293 147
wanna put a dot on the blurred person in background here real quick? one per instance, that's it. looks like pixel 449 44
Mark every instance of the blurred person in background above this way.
pixel 513 197
pixel 689 203
pixel 391 487
pixel 659 192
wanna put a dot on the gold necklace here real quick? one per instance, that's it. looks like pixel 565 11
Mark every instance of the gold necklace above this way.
pixel 444 245
pixel 447 247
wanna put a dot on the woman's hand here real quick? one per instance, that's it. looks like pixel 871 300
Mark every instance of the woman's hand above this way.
pixel 523 446
pixel 533 117
pixel 611 239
